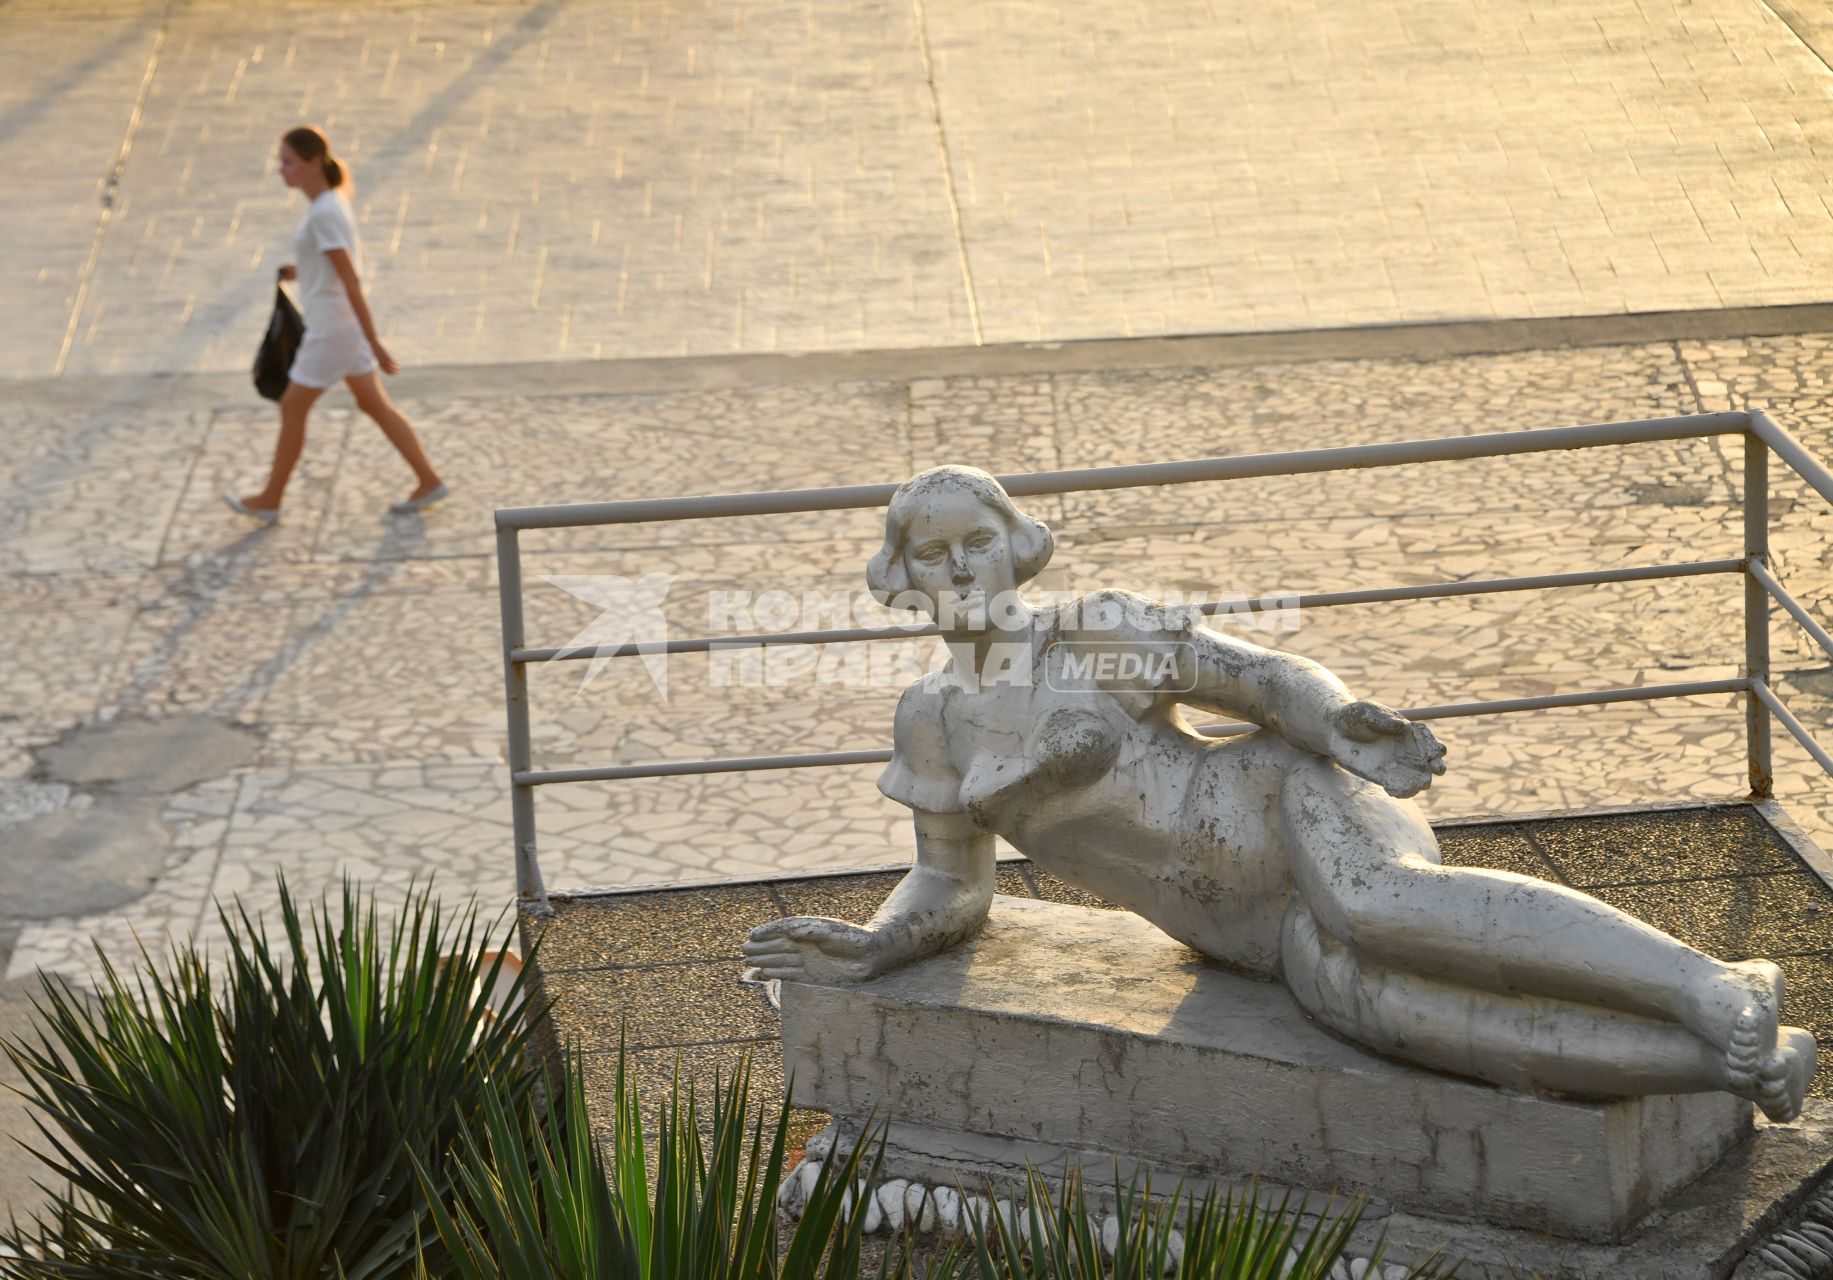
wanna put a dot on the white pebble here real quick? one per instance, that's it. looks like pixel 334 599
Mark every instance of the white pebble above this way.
pixel 1174 1250
pixel 890 1199
pixel 1358 1268
pixel 875 1216
pixel 973 1212
pixel 1004 1209
pixel 919 1207
pixel 792 1195
pixel 1110 1235
pixel 948 1208
pixel 1393 1271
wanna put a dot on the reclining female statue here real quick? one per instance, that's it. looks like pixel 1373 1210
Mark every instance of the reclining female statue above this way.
pixel 1291 853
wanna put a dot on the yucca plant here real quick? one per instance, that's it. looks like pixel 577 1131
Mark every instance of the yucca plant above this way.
pixel 261 1117
pixel 539 1200
pixel 1220 1237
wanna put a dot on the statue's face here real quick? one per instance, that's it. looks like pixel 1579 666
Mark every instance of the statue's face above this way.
pixel 959 558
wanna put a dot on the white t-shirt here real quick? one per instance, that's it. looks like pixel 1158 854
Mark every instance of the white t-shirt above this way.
pixel 323 301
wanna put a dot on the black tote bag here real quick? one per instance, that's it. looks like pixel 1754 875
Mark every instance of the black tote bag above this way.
pixel 275 358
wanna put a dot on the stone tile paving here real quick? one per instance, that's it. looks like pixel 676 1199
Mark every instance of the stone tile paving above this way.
pixel 61 481
pixel 659 970
pixel 1420 161
pixel 553 181
pixel 364 652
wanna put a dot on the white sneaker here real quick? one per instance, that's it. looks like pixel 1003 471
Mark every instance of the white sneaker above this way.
pixel 266 515
pixel 407 506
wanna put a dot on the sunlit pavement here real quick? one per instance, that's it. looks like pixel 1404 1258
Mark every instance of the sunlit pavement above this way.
pixel 586 221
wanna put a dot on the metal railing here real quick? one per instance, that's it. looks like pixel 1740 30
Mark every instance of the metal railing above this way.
pixel 1761 438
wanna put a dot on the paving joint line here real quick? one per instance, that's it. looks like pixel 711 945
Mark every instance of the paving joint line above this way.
pixel 218 856
pixel 948 170
pixel 1686 371
pixel 649 1047
pixel 109 187
pixel 184 487
pixel 1730 473
pixel 1784 12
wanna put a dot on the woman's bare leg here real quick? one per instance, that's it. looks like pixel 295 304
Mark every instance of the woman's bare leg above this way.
pixel 372 400
pixel 295 404
pixel 1367 866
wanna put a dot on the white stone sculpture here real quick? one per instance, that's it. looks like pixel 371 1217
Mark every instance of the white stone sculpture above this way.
pixel 1291 853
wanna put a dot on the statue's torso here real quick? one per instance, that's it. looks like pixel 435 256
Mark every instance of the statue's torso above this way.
pixel 1114 793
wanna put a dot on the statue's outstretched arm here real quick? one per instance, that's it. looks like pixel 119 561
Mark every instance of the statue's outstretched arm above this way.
pixel 1292 696
pixel 941 901
pixel 1308 707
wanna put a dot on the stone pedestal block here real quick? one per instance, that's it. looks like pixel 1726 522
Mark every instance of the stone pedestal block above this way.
pixel 1066 1035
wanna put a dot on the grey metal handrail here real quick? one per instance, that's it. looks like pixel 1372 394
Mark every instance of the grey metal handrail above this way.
pixel 1225 729
pixel 1144 475
pixel 1761 438
pixel 1320 600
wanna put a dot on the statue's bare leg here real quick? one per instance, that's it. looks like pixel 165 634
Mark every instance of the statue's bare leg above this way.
pixel 1367 866
pixel 1526 1043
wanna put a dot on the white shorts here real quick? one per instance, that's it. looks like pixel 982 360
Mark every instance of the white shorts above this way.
pixel 330 354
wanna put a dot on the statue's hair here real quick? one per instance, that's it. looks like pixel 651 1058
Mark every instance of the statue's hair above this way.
pixel 1030 538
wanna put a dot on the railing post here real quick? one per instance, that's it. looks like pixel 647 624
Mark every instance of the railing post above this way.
pixel 529 889
pixel 1756 613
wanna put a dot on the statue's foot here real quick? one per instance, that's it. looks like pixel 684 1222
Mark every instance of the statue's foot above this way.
pixel 1782 1081
pixel 1744 1013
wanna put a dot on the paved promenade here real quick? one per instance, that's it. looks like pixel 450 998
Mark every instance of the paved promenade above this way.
pixel 555 181
pixel 335 682
pixel 598 232
pixel 673 248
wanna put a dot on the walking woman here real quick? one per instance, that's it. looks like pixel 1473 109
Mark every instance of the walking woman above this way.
pixel 340 335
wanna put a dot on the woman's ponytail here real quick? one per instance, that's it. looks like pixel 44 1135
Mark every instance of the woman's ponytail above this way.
pixel 334 171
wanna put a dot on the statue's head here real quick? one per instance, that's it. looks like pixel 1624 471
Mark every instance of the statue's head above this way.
pixel 956 546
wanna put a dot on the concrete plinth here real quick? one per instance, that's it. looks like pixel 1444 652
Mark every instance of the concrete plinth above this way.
pixel 1066 1035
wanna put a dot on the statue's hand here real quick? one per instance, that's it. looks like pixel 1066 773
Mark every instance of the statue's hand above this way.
pixel 814 949
pixel 1397 754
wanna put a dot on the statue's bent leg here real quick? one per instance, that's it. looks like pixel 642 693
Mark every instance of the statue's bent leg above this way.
pixel 1367 867
pixel 1526 1043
